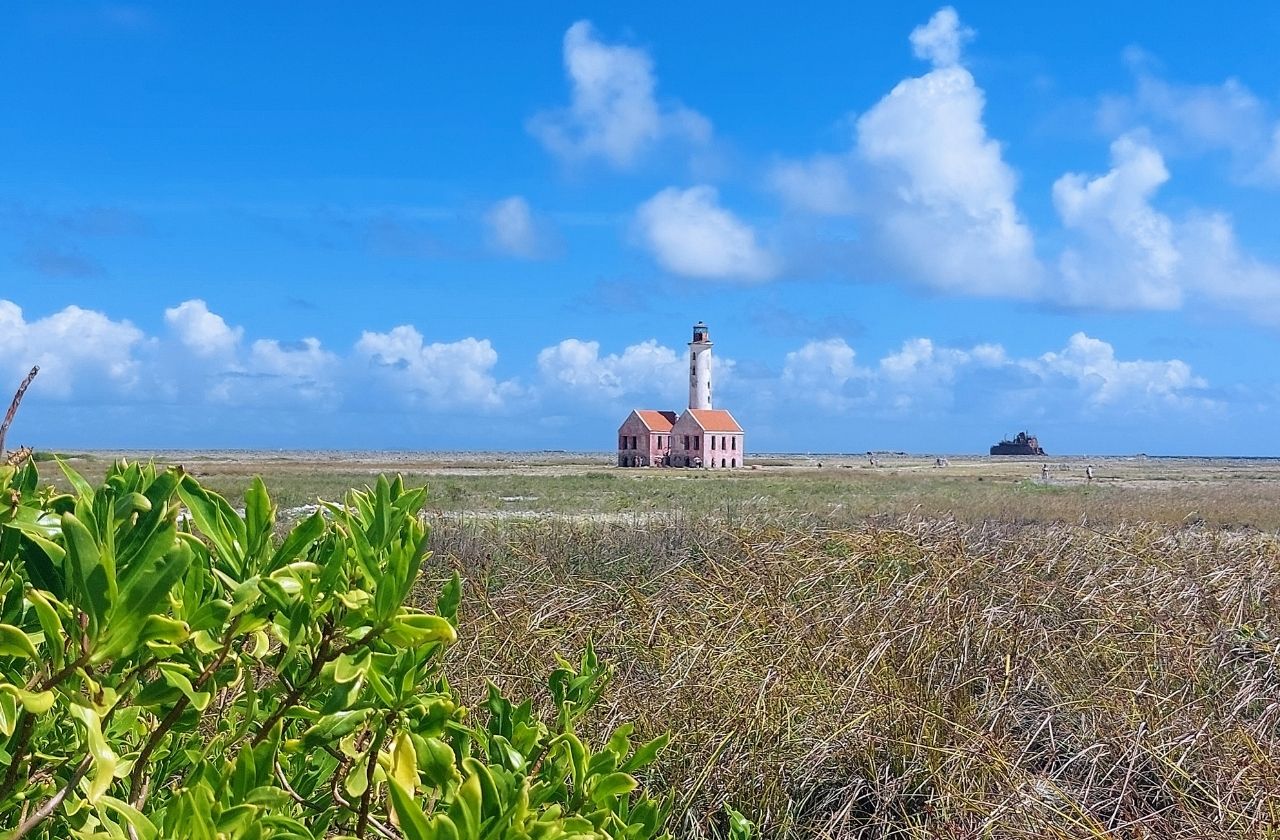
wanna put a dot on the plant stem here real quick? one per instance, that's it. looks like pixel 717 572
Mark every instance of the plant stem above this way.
pixel 367 799
pixel 137 793
pixel 54 679
pixel 46 810
pixel 323 655
pixel 15 761
pixel 28 724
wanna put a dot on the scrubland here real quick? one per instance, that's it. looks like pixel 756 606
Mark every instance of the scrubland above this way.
pixel 893 652
pixel 915 677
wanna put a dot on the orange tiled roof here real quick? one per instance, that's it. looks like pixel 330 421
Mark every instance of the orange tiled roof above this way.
pixel 715 420
pixel 657 421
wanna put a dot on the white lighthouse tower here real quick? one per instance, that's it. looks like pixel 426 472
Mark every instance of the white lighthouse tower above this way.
pixel 701 437
pixel 700 367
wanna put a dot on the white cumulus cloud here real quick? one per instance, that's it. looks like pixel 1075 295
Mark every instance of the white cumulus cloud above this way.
pixel 204 360
pixel 1101 379
pixel 1126 256
pixel 613 112
pixel 940 40
pixel 203 332
pixel 689 233
pixel 576 366
pixel 931 200
pixel 935 200
pixel 820 370
pixel 944 210
pixel 830 361
pixel 437 375
pixel 1083 378
pixel 302 370
pixel 78 350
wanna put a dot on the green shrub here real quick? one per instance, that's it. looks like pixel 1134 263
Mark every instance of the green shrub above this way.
pixel 169 667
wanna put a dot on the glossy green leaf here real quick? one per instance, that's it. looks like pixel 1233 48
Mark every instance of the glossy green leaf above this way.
pixel 611 786
pixel 13 642
pixel 143 828
pixel 93 572
pixel 449 599
pixel 466 809
pixel 77 482
pixel 259 516
pixel 174 676
pixel 303 534
pixel 416 629
pixel 104 759
pixel 35 702
pixel 438 763
pixel 645 755
pixel 409 816
pixel 8 713
pixel 216 520
pixel 50 624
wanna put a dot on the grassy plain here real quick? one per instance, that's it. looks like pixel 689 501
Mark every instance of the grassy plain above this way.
pixel 903 651
pixel 1231 493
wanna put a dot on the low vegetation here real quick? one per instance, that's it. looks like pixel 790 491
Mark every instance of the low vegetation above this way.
pixel 172 668
pixel 919 678
pixel 846 654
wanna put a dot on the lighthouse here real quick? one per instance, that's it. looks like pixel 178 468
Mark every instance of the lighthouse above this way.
pixel 700 367
pixel 702 437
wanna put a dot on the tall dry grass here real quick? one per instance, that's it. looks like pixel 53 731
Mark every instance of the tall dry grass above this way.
pixel 908 679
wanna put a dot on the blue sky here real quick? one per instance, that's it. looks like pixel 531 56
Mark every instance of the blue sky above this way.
pixel 909 226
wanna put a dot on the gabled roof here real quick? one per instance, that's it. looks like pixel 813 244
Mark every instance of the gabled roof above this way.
pixel 656 421
pixel 714 419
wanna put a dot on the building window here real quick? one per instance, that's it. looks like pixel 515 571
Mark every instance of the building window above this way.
pixel 686 441
pixel 733 443
pixel 722 462
pixel 713 441
pixel 633 441
pixel 733 462
pixel 697 443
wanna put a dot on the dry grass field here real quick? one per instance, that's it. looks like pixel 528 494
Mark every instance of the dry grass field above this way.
pixel 917 678
pixel 902 651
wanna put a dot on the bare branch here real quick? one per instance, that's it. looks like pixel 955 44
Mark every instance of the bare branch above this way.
pixel 13 406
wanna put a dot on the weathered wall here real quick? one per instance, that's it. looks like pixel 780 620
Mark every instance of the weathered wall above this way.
pixel 732 456
pixel 650 447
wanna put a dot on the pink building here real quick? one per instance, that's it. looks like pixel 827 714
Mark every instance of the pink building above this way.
pixel 700 437
pixel 706 437
pixel 645 437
